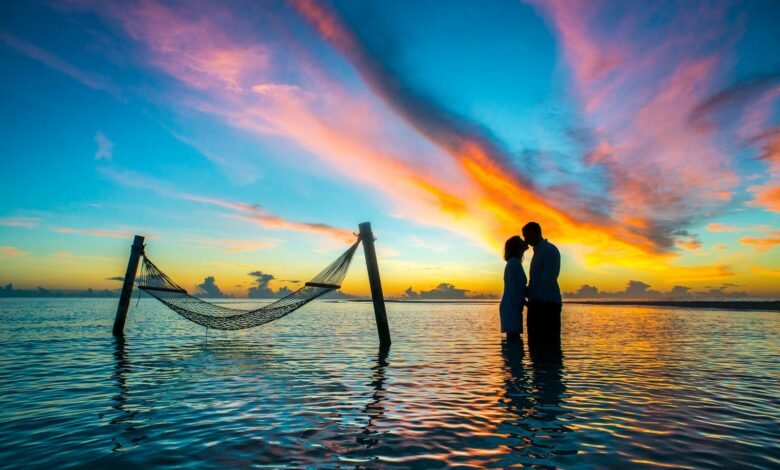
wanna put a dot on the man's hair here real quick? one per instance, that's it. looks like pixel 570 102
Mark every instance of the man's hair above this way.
pixel 533 227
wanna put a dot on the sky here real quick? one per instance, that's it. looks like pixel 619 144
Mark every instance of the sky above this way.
pixel 246 137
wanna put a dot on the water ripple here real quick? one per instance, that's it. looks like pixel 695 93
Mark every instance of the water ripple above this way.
pixel 631 386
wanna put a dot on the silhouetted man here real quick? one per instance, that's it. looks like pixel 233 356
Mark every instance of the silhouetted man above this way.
pixel 544 295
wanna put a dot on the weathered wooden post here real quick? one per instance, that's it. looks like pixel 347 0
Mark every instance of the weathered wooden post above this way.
pixel 367 237
pixel 127 288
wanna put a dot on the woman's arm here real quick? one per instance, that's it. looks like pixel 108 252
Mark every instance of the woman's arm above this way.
pixel 516 280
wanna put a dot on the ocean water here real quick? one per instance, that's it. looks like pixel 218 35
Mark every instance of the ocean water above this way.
pixel 648 387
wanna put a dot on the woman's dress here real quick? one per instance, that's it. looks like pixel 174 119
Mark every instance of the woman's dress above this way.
pixel 511 307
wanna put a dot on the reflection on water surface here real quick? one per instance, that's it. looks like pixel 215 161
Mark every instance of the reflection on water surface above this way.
pixel 626 385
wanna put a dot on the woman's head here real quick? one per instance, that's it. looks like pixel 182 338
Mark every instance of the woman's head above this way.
pixel 514 248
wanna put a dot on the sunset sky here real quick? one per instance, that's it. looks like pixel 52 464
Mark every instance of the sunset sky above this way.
pixel 254 136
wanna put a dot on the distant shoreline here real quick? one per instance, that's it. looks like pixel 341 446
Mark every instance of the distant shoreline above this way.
pixel 737 305
pixel 768 305
pixel 741 305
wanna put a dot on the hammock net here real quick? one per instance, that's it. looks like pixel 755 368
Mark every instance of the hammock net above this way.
pixel 157 284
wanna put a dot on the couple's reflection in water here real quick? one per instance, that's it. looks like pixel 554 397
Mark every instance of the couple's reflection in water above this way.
pixel 534 392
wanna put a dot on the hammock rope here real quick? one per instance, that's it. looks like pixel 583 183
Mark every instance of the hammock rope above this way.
pixel 160 286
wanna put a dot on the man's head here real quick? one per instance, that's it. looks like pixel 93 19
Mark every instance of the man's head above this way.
pixel 532 232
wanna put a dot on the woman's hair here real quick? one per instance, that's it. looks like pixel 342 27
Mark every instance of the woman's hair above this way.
pixel 514 248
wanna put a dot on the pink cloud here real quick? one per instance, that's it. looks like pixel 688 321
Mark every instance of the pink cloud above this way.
pixel 638 87
pixel 190 45
pixel 459 181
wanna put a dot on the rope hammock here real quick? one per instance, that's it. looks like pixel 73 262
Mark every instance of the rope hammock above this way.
pixel 157 284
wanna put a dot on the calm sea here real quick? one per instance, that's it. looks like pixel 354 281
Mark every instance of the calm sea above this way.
pixel 633 386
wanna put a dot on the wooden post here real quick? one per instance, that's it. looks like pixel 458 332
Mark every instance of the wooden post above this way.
pixel 127 288
pixel 367 237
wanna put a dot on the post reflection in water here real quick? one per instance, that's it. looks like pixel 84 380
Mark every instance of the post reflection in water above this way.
pixel 535 395
pixel 375 409
pixel 127 414
pixel 121 369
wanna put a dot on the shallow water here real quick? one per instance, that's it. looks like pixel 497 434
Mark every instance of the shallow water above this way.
pixel 653 386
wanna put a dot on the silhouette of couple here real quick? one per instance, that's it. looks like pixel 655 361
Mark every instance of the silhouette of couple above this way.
pixel 541 290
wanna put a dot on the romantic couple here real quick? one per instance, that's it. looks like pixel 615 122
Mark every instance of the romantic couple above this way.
pixel 542 292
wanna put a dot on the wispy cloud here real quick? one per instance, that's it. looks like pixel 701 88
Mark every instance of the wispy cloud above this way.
pixel 22 222
pixel 762 243
pixel 11 251
pixel 191 47
pixel 101 233
pixel 663 173
pixel 239 246
pixel 90 79
pixel 765 271
pixel 464 179
pixel 718 227
pixel 105 150
pixel 253 213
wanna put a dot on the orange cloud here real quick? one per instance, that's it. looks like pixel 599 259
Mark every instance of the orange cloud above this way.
pixel 764 243
pixel 718 227
pixel 11 251
pixel 765 271
pixel 462 183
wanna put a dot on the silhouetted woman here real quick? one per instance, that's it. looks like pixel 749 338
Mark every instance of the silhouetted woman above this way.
pixel 511 308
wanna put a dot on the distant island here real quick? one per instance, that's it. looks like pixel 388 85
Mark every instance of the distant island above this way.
pixel 771 305
pixel 443 293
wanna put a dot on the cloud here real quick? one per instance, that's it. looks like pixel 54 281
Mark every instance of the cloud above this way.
pixel 253 213
pixel 105 149
pixel 240 246
pixel 101 233
pixel 262 288
pixel 427 245
pixel 209 288
pixel 733 98
pixel 718 227
pixel 11 252
pixel 765 271
pixel 762 243
pixel 458 175
pixel 663 175
pixel 90 79
pixel 277 89
pixel 477 198
pixel 189 45
pixel 22 222
pixel 686 240
pixel 767 196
